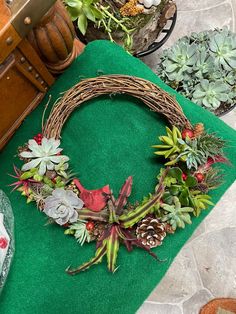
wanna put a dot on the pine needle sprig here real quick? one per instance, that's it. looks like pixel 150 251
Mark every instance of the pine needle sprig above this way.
pixel 213 178
pixel 211 145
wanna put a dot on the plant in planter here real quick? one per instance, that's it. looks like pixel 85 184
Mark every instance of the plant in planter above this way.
pixel 202 67
pixel 135 24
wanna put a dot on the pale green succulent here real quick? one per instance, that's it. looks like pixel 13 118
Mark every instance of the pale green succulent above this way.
pixel 211 94
pixel 176 215
pixel 180 60
pixel 223 49
pixel 205 72
pixel 44 156
pixel 79 231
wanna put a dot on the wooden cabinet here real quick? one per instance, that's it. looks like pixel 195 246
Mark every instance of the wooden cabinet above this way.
pixel 26 62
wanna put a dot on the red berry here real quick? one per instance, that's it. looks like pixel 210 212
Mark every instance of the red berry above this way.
pixel 199 176
pixel 3 243
pixel 184 176
pixel 40 135
pixel 187 133
pixel 90 225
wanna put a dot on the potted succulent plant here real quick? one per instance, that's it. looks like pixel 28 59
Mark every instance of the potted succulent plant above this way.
pixel 135 24
pixel 202 67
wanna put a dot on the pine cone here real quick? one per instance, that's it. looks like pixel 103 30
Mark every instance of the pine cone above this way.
pixel 22 149
pixel 168 228
pixel 151 232
pixel 97 231
pixel 72 187
pixel 40 205
pixel 198 129
pixel 51 174
pixel 203 187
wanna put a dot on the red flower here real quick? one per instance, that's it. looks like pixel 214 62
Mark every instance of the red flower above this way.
pixel 3 243
pixel 93 199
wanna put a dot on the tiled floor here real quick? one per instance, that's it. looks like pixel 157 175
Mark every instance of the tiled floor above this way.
pixel 206 267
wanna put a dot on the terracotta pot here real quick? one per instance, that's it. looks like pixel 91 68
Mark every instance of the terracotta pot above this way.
pixel 213 306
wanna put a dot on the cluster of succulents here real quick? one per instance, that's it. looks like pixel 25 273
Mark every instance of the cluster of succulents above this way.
pixel 97 215
pixel 202 67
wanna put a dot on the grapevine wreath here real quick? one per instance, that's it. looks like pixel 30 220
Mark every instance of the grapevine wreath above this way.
pixel 188 154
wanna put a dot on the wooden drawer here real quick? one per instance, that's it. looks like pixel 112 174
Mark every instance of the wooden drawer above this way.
pixel 24 80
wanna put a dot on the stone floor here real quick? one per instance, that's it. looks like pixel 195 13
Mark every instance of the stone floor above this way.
pixel 206 266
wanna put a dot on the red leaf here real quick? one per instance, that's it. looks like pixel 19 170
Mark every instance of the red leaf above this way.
pixel 124 194
pixel 93 199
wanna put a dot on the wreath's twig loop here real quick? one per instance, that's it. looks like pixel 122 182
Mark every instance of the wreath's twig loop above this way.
pixel 151 95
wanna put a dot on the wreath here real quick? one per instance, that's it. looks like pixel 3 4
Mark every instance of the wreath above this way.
pixel 188 153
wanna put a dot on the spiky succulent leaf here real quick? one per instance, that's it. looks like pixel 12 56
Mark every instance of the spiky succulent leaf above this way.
pixel 123 195
pixel 87 214
pixel 100 252
pixel 129 219
pixel 112 249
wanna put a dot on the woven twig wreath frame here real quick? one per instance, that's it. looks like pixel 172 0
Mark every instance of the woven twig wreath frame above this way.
pixel 151 95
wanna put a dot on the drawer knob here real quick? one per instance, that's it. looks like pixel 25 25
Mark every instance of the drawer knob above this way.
pixel 9 40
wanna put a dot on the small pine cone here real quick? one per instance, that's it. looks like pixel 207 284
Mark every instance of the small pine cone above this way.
pixel 168 228
pixel 40 205
pixel 203 187
pixel 97 231
pixel 22 149
pixel 72 187
pixel 51 174
pixel 198 129
pixel 151 232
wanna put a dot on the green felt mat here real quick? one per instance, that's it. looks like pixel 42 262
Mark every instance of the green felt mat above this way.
pixel 108 139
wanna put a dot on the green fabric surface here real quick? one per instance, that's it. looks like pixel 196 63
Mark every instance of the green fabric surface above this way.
pixel 108 139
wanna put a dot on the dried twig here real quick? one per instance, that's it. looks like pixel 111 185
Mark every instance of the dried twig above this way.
pixel 151 95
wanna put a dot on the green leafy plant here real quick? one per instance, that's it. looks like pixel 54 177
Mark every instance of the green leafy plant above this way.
pixel 199 202
pixel 171 147
pixel 103 18
pixel 82 11
pixel 202 67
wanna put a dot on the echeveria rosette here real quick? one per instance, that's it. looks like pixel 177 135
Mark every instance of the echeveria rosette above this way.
pixel 44 156
pixel 211 94
pixel 223 47
pixel 62 205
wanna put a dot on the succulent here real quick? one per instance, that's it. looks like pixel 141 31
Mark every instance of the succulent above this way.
pixel 82 11
pixel 210 94
pixel 171 147
pixel 223 49
pixel 44 156
pixel 79 231
pixel 180 60
pixel 62 206
pixel 200 202
pixel 205 71
pixel 176 215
